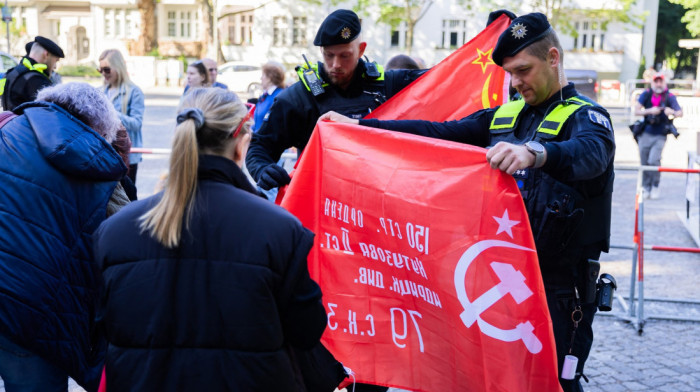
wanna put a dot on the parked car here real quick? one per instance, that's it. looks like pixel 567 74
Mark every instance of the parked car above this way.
pixel 241 77
pixel 585 81
pixel 6 62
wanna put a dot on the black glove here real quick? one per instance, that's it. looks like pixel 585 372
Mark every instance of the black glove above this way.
pixel 273 176
pixel 495 14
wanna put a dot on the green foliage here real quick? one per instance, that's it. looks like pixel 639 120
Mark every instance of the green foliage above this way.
pixel 78 70
pixel 667 48
pixel 692 15
pixel 154 52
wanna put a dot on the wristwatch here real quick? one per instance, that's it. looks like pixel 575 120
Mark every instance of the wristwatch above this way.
pixel 537 150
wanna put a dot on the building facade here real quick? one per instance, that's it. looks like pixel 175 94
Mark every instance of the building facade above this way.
pixel 256 31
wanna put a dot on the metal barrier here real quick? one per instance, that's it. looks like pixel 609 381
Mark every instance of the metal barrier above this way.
pixel 631 313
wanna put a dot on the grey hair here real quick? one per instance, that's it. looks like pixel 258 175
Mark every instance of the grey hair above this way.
pixel 87 103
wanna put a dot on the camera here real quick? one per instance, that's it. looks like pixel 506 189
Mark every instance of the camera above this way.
pixel 605 289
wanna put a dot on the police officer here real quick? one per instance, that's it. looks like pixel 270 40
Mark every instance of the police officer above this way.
pixel 343 82
pixel 23 82
pixel 560 147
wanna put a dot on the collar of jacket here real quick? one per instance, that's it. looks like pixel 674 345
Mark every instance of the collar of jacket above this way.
pixel 220 169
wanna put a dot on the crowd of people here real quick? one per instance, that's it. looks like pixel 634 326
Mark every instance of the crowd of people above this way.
pixel 204 285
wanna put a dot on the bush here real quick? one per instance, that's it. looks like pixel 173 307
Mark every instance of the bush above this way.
pixel 78 70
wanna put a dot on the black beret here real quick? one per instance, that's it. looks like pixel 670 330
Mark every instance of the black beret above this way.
pixel 523 31
pixel 28 46
pixel 340 27
pixel 50 46
pixel 495 14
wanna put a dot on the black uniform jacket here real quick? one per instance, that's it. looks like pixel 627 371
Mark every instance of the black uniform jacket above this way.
pixel 294 113
pixel 23 88
pixel 218 312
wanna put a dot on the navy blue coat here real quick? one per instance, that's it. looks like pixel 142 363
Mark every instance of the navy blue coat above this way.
pixel 218 312
pixel 56 177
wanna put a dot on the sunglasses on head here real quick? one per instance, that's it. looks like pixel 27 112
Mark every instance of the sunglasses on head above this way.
pixel 104 70
pixel 251 110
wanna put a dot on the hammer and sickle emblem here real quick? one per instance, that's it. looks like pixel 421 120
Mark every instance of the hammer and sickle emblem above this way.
pixel 512 283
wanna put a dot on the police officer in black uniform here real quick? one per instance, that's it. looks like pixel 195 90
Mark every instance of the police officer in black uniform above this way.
pixel 23 82
pixel 343 82
pixel 559 145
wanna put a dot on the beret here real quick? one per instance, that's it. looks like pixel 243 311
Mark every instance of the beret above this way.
pixel 28 46
pixel 522 32
pixel 495 14
pixel 340 27
pixel 50 46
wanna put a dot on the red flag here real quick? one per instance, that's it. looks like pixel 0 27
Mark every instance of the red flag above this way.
pixel 426 261
pixel 464 82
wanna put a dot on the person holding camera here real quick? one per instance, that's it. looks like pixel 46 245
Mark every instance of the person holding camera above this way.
pixel 659 107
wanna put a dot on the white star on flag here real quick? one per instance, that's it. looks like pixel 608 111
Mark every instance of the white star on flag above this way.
pixel 505 224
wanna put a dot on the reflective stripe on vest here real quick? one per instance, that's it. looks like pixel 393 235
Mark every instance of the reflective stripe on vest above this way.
pixel 506 115
pixel 34 67
pixel 3 81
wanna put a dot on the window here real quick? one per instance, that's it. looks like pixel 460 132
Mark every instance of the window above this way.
pixel 394 38
pixel 454 33
pixel 590 35
pixel 240 28
pixel 171 23
pixel 109 18
pixel 183 24
pixel 399 35
pixel 299 30
pixel 279 31
pixel 121 23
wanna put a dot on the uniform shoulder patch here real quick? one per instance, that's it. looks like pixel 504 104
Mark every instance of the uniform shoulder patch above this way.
pixel 599 118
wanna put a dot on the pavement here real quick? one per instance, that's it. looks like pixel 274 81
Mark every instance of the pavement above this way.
pixel 664 356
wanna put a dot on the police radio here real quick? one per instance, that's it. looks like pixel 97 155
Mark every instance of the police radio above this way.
pixel 371 69
pixel 312 80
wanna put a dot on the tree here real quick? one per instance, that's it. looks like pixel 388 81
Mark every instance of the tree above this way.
pixel 692 15
pixel 667 49
pixel 397 11
pixel 147 39
pixel 207 25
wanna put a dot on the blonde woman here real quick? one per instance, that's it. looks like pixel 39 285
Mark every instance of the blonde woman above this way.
pixel 127 99
pixel 212 289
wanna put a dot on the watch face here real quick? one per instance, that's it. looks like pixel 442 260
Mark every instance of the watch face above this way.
pixel 535 147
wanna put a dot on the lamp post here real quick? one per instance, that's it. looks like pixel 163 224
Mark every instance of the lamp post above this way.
pixel 7 17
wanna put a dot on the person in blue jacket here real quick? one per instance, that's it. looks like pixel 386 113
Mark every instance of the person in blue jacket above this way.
pixel 560 147
pixel 212 290
pixel 57 173
pixel 128 100
pixel 272 82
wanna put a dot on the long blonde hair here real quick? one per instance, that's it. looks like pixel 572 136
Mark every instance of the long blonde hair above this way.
pixel 118 65
pixel 221 112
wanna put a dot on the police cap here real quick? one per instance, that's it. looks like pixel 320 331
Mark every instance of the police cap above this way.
pixel 522 32
pixel 50 46
pixel 340 27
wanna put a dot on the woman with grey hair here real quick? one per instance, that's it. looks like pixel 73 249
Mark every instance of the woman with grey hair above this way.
pixel 58 172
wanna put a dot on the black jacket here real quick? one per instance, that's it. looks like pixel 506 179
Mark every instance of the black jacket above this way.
pixel 293 115
pixel 23 84
pixel 218 312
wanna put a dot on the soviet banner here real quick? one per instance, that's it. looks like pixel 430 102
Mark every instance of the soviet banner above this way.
pixel 426 262
pixel 464 82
